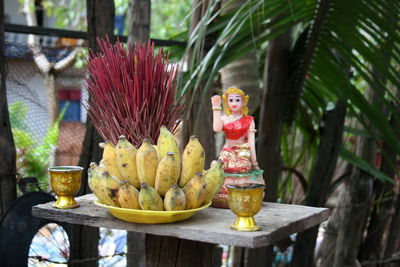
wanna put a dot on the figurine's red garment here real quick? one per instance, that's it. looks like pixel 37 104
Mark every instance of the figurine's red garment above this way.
pixel 235 130
pixel 236 159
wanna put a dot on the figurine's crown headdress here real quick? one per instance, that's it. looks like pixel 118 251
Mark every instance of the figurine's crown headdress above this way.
pixel 235 90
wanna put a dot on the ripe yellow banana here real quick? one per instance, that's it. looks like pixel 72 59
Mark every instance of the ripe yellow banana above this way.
pixel 193 160
pixel 175 198
pixel 167 143
pixel 98 185
pixel 158 154
pixel 126 161
pixel 93 177
pixel 128 196
pixel 101 163
pixel 110 185
pixel 214 178
pixel 195 192
pixel 167 173
pixel 109 181
pixel 109 160
pixel 149 199
pixel 146 163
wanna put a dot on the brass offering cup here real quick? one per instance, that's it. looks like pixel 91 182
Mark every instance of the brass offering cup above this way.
pixel 65 182
pixel 245 201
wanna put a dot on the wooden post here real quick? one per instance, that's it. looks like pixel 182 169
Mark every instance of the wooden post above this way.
pixel 84 243
pixel 138 31
pixel 8 192
pixel 170 251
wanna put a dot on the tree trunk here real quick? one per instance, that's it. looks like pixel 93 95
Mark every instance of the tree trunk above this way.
pixel 330 142
pixel 171 251
pixel 138 30
pixel 52 99
pixel 100 20
pixel 393 232
pixel 326 252
pixel 374 245
pixel 8 190
pixel 393 241
pixel 198 119
pixel 276 79
pixel 139 21
pixel 47 69
pixel 354 207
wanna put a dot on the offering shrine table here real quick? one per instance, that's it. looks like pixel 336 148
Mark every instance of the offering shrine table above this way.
pixel 207 226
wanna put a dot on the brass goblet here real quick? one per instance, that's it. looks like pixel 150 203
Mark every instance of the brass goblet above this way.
pixel 245 201
pixel 65 182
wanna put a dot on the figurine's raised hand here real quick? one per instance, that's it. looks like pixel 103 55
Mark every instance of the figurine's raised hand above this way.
pixel 216 101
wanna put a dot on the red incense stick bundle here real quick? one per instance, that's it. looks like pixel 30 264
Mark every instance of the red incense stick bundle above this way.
pixel 132 92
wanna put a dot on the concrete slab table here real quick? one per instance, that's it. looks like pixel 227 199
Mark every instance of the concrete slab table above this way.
pixel 191 241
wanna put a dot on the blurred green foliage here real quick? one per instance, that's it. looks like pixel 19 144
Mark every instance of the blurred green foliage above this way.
pixel 33 157
pixel 169 18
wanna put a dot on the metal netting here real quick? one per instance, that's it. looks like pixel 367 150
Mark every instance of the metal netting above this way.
pixel 41 141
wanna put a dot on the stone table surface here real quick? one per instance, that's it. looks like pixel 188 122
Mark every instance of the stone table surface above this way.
pixel 210 225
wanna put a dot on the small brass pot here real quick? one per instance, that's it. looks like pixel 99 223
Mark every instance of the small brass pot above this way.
pixel 245 201
pixel 65 182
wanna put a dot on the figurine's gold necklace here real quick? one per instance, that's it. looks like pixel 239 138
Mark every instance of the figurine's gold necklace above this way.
pixel 235 119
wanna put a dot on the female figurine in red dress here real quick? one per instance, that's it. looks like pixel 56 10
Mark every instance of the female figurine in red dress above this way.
pixel 238 154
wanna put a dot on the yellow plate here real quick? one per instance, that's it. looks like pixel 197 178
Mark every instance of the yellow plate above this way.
pixel 150 216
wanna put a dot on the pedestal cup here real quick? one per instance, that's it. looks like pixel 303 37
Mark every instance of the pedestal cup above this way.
pixel 65 182
pixel 245 201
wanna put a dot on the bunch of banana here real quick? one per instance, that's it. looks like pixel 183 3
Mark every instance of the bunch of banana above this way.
pixel 155 177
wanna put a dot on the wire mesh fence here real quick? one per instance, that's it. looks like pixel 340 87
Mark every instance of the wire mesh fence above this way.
pixel 40 140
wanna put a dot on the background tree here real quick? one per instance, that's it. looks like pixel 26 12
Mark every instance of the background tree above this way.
pixel 8 190
pixel 49 70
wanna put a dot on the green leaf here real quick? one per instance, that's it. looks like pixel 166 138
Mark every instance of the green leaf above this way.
pixel 22 139
pixel 363 165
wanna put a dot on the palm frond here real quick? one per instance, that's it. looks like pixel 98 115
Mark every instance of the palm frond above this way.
pixel 341 40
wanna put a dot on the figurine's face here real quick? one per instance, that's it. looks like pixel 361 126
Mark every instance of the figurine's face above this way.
pixel 235 102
